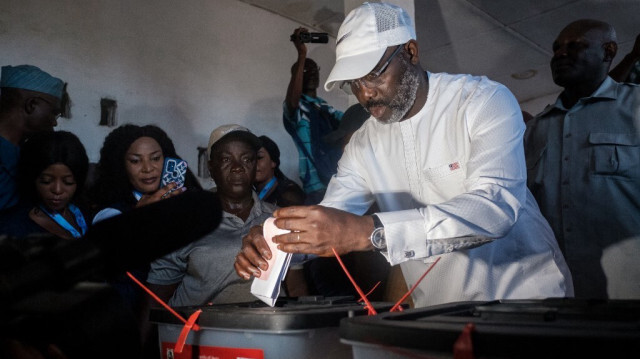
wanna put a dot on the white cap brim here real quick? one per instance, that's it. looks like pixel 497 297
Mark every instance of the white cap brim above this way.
pixel 353 67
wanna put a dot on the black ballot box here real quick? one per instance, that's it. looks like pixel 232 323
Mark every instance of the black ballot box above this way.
pixel 545 328
pixel 304 327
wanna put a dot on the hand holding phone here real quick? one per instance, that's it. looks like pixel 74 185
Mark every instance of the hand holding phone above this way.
pixel 174 170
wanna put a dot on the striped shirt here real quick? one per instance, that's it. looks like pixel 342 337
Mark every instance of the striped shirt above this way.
pixel 309 109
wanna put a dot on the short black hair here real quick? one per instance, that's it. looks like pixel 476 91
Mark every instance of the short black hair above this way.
pixel 272 148
pixel 44 149
pixel 274 152
pixel 307 63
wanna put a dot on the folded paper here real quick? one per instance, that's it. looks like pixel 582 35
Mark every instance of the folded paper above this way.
pixel 267 286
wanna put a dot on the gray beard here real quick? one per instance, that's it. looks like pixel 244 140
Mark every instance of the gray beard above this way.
pixel 406 95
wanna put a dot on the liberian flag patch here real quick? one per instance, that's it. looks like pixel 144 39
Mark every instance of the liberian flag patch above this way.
pixel 454 166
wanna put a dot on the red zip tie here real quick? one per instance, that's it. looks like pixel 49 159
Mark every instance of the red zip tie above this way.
pixel 398 306
pixel 196 327
pixel 463 347
pixel 185 331
pixel 369 307
pixel 371 291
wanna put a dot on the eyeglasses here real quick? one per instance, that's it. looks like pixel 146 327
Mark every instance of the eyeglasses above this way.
pixel 57 110
pixel 372 79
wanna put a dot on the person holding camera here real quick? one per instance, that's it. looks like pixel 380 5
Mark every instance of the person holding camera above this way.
pixel 308 117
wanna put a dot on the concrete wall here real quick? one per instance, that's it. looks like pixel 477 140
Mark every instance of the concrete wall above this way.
pixel 187 66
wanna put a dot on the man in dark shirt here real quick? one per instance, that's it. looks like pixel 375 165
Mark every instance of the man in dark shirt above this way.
pixel 30 101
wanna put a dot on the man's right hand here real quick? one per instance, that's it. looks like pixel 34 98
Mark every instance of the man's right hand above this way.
pixel 253 257
pixel 300 46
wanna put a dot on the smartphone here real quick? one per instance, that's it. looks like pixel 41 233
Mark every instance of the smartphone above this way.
pixel 174 170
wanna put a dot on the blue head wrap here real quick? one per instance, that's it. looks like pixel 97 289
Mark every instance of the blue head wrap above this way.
pixel 30 77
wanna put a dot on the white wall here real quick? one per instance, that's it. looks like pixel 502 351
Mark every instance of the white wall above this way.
pixel 187 66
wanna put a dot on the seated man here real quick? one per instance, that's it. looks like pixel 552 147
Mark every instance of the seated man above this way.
pixel 202 271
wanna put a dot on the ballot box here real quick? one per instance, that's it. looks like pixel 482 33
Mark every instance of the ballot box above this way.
pixel 305 327
pixel 549 328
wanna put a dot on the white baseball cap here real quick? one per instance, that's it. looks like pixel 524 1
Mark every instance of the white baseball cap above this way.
pixel 364 36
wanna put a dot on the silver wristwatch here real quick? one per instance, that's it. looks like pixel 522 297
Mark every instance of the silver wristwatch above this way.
pixel 377 237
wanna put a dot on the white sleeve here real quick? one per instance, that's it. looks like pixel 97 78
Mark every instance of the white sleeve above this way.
pixel 494 189
pixel 104 214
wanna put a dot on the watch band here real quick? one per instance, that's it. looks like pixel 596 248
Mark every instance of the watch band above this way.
pixel 377 223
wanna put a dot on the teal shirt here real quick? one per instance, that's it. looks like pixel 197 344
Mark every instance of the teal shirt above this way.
pixel 309 109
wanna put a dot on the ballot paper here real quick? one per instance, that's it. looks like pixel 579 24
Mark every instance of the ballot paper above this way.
pixel 267 287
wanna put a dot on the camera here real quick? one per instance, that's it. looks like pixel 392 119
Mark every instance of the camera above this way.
pixel 314 37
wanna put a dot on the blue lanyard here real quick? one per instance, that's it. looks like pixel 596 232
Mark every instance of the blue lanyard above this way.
pixel 57 217
pixel 137 194
pixel 266 188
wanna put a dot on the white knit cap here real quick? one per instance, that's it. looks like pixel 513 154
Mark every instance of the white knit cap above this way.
pixel 364 36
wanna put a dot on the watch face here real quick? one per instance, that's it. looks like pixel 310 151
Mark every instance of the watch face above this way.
pixel 377 238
